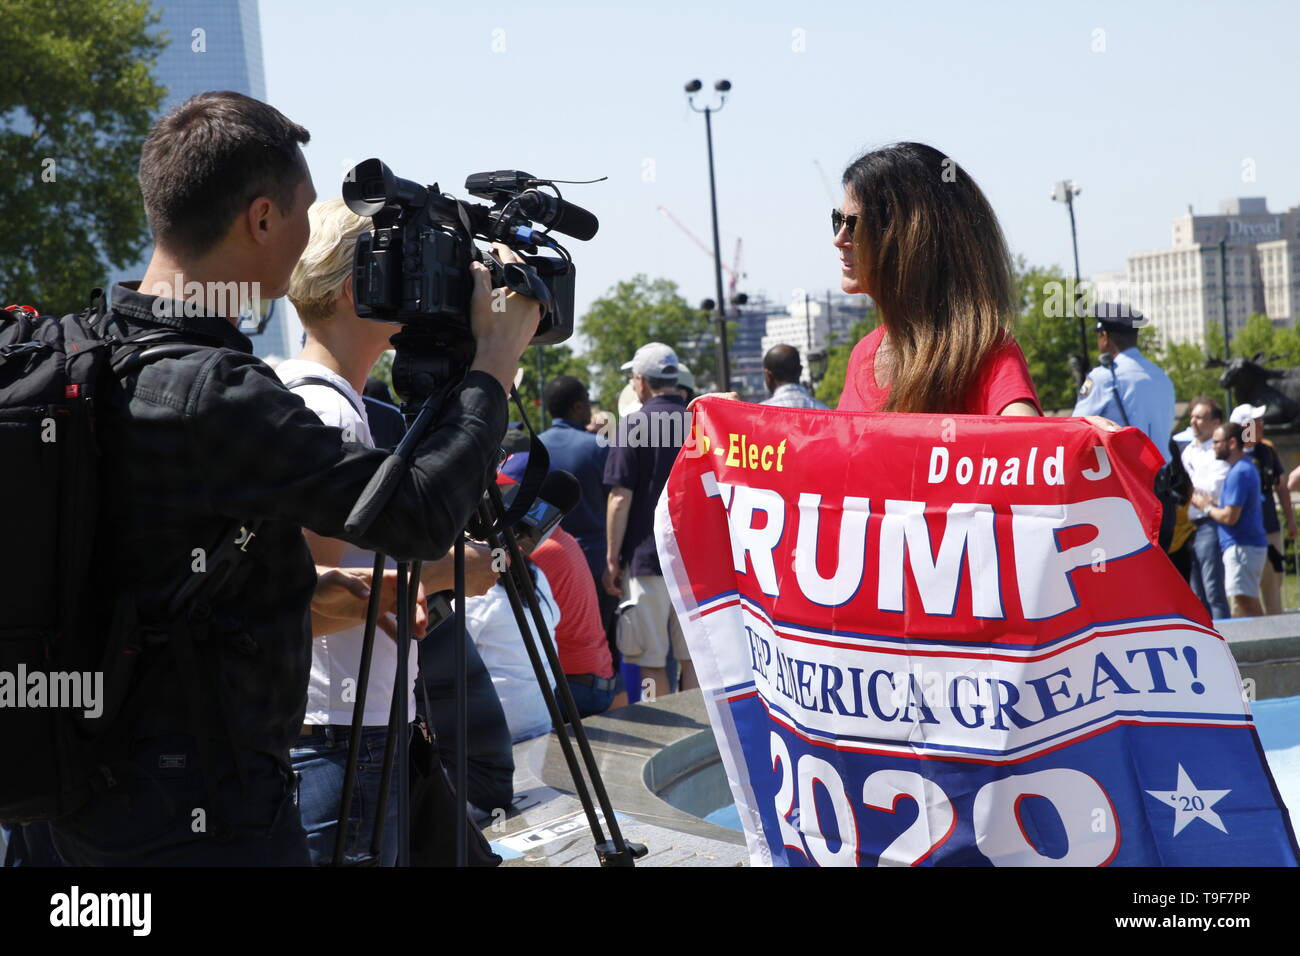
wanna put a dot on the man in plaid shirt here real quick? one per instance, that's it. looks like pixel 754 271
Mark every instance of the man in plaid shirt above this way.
pixel 193 445
pixel 781 371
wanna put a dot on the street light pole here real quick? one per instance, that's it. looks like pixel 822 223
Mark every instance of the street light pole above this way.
pixel 1223 293
pixel 1065 192
pixel 1223 299
pixel 722 86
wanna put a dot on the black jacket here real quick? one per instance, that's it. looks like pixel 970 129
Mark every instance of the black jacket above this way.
pixel 192 444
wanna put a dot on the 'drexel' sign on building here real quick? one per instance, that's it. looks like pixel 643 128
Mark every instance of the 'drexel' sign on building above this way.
pixel 950 640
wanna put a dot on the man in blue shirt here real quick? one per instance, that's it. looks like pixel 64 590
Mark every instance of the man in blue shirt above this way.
pixel 781 371
pixel 1127 387
pixel 1240 522
pixel 574 449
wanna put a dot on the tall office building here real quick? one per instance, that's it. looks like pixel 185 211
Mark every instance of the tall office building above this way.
pixel 802 324
pixel 764 323
pixel 215 45
pixel 1180 288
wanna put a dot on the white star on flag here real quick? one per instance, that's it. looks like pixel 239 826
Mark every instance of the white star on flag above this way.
pixel 1190 803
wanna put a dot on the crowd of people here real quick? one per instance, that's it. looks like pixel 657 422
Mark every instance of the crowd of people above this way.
pixel 262 738
pixel 1221 527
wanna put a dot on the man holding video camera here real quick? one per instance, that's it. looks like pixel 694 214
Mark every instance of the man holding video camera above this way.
pixel 195 770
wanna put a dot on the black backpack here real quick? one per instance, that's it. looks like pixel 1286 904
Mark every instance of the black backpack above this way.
pixel 52 638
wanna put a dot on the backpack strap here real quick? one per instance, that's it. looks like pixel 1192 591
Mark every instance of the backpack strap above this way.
pixel 190 608
pixel 322 380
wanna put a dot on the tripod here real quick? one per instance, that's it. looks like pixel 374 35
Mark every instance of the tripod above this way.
pixel 492 523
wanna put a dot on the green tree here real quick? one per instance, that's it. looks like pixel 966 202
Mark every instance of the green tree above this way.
pixel 837 360
pixel 638 311
pixel 1257 336
pixel 383 370
pixel 1286 345
pixel 549 362
pixel 1213 341
pixel 1047 332
pixel 77 97
pixel 1184 363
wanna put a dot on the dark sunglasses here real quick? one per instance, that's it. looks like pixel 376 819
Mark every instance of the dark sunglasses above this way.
pixel 838 219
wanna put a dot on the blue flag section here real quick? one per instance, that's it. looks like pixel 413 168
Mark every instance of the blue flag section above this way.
pixel 906 670
pixel 1135 796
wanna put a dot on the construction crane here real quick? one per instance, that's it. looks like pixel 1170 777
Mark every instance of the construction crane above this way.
pixel 734 273
pixel 826 183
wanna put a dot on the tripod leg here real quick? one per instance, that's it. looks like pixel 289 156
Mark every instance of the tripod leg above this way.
pixel 406 591
pixel 615 852
pixel 401 696
pixel 385 784
pixel 461 665
pixel 359 710
pixel 510 583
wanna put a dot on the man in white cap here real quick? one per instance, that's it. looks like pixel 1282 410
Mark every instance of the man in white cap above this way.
pixel 636 472
pixel 1273 484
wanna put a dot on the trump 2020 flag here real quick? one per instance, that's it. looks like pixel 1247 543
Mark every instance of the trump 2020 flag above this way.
pixel 950 640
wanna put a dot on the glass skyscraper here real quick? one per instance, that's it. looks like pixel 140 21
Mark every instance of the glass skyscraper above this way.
pixel 215 45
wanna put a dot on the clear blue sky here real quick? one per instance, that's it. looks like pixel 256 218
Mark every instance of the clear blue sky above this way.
pixel 1182 95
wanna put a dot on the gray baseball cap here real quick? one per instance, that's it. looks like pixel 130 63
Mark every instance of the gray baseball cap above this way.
pixel 655 360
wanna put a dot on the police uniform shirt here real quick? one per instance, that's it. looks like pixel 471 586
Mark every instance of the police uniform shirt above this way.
pixel 1143 387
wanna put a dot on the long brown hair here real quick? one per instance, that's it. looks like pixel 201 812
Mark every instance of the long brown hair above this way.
pixel 930 248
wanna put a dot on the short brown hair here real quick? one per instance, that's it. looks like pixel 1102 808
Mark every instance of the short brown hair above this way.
pixel 1216 412
pixel 206 160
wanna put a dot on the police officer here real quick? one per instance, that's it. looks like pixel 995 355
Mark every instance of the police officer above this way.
pixel 1127 387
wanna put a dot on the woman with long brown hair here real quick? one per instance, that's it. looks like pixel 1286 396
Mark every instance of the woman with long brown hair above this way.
pixel 916 234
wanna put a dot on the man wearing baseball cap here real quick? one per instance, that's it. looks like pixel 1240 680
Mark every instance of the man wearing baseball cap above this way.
pixel 1127 387
pixel 636 472
pixel 1273 485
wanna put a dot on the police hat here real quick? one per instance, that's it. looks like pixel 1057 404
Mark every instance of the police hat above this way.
pixel 1116 317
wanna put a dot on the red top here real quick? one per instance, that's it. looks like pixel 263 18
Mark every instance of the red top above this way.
pixel 1003 379
pixel 579 637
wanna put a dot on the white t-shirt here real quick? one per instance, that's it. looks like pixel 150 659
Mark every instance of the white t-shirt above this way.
pixel 336 658
pixel 491 625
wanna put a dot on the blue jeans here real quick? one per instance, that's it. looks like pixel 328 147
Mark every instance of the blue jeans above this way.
pixel 590 701
pixel 319 762
pixel 1207 570
pixel 162 812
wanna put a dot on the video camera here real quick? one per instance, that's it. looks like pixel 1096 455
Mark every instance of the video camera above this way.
pixel 413 268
